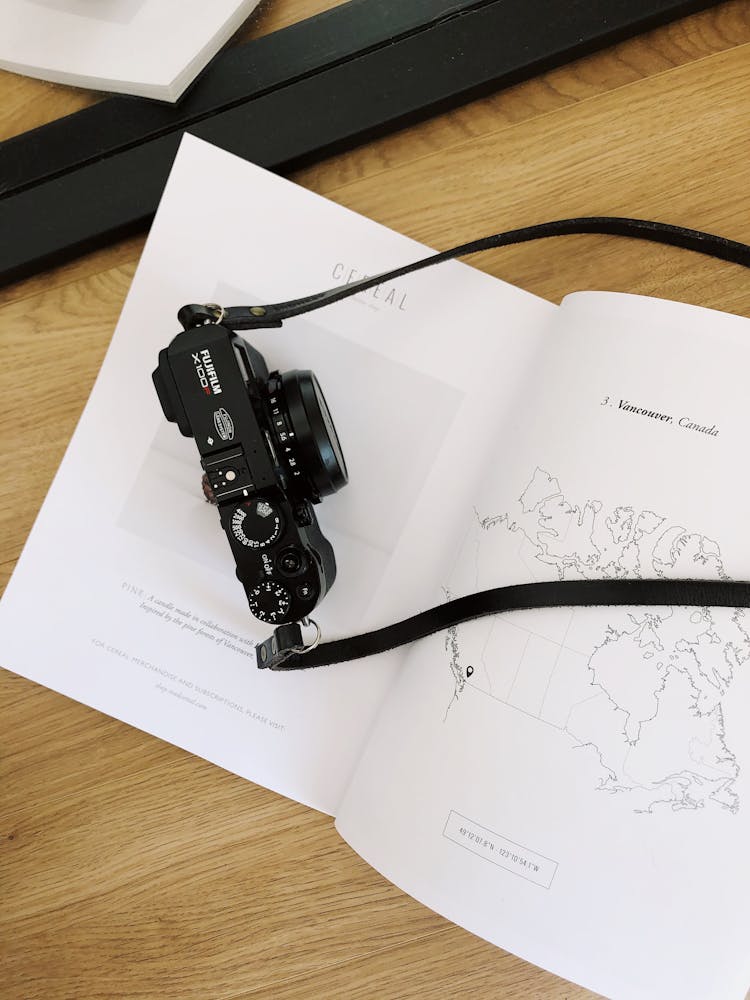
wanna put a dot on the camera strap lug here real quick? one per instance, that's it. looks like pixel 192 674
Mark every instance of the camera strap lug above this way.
pixel 194 314
pixel 286 640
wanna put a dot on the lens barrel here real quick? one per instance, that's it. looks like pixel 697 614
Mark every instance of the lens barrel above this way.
pixel 318 450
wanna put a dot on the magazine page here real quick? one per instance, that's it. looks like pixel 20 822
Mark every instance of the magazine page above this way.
pixel 574 784
pixel 125 597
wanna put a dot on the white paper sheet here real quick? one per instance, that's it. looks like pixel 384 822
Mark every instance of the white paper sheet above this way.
pixel 151 48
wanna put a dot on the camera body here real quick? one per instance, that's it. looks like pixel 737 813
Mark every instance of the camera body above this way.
pixel 269 452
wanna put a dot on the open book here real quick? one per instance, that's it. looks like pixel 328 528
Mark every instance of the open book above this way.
pixel 151 48
pixel 573 785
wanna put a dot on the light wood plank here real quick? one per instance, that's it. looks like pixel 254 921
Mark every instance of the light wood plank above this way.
pixel 680 43
pixel 636 151
pixel 450 963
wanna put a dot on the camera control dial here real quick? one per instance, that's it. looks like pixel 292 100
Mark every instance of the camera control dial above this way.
pixel 257 523
pixel 270 601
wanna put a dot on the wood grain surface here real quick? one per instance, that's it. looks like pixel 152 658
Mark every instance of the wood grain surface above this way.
pixel 131 869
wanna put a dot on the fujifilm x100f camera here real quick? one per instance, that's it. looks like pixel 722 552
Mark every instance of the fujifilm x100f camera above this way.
pixel 269 451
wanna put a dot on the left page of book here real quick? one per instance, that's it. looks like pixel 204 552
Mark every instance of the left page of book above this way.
pixel 125 596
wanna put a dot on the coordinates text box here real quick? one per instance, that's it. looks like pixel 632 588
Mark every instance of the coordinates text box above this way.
pixel 499 850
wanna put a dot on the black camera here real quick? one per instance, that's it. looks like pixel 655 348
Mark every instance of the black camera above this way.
pixel 269 451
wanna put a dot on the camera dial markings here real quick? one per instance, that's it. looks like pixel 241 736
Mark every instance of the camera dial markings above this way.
pixel 257 524
pixel 270 601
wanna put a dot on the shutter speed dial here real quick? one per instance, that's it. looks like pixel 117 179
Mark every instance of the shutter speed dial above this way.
pixel 270 601
pixel 257 523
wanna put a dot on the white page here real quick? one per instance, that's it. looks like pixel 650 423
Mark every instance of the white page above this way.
pixel 125 525
pixel 574 784
pixel 151 48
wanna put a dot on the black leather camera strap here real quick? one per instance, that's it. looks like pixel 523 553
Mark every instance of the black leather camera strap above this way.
pixel 286 649
pixel 259 317
pixel 279 651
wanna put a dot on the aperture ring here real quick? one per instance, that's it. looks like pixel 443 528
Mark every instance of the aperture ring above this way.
pixel 285 440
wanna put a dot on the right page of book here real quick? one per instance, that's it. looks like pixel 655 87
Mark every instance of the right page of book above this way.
pixel 574 784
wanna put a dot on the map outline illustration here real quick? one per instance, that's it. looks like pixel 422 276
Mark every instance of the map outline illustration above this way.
pixel 646 698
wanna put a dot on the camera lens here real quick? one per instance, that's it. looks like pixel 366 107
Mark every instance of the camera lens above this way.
pixel 317 444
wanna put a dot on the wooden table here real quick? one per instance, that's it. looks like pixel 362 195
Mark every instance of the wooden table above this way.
pixel 129 868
